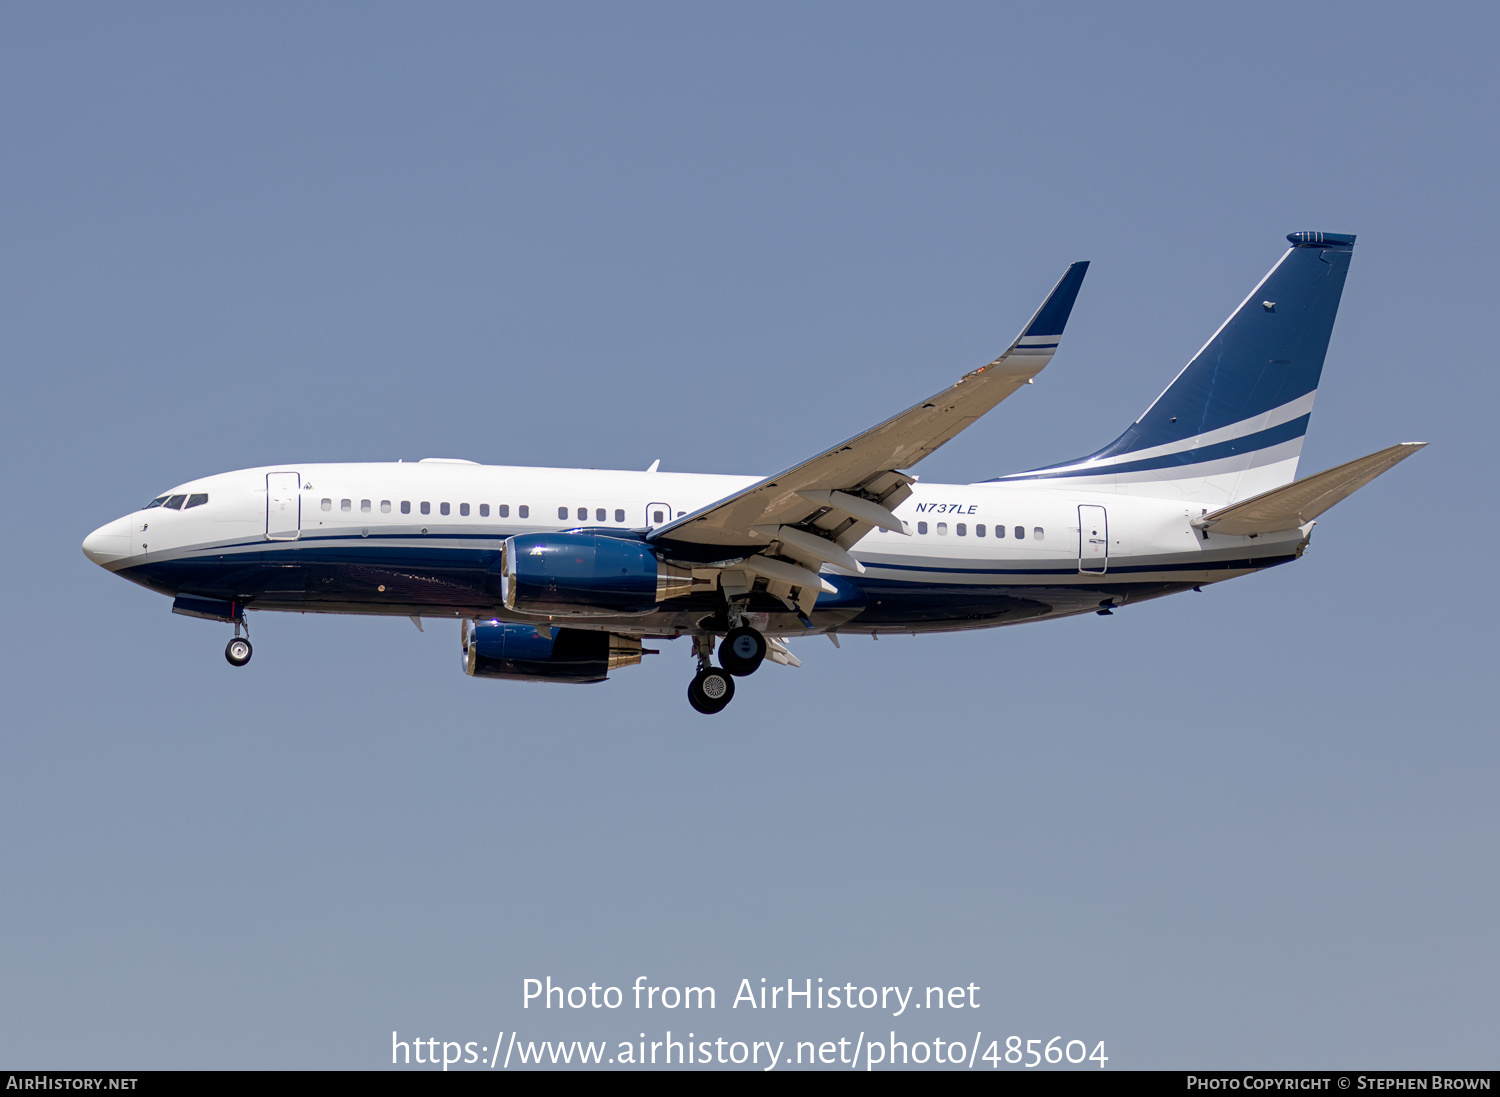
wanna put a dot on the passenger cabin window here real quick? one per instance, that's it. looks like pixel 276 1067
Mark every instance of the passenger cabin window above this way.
pixel 385 506
pixel 960 529
pixel 196 501
pixel 364 506
pixel 442 508
pixel 583 514
pixel 942 529
pixel 599 515
pixel 619 515
pixel 979 530
pixel 484 510
pixel 327 504
pixel 345 506
pixel 658 516
pixel 1038 533
pixel 406 506
pixel 921 527
pixel 503 510
pixel 175 502
pixel 1020 532
pixel 999 531
pixel 562 512
pixel 426 507
pixel 525 511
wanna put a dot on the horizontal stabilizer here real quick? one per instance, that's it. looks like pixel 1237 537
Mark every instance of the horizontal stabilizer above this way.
pixel 1300 502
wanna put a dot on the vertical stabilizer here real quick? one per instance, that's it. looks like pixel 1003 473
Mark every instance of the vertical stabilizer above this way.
pixel 1231 424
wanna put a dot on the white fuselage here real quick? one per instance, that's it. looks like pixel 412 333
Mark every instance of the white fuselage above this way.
pixel 426 525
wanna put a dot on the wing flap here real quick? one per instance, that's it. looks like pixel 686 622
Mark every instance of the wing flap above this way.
pixel 778 652
pixel 1300 502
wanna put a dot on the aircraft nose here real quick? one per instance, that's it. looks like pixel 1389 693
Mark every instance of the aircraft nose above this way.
pixel 109 543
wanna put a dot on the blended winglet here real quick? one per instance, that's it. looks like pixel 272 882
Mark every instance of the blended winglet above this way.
pixel 1046 327
pixel 1300 502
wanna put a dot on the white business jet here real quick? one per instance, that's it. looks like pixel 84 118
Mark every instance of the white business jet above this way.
pixel 559 575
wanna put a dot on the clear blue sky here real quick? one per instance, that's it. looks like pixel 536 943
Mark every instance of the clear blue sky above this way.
pixel 1254 827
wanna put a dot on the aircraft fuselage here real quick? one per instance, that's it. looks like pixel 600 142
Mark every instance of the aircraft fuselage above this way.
pixel 425 539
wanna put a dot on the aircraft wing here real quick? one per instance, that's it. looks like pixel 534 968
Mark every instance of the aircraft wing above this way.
pixel 813 512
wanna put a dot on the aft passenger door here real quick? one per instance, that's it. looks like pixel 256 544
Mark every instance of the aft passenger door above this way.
pixel 283 506
pixel 1093 540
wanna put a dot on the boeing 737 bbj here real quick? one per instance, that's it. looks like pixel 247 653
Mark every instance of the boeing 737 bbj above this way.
pixel 560 574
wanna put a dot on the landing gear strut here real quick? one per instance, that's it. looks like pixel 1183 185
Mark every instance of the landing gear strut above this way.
pixel 238 650
pixel 711 688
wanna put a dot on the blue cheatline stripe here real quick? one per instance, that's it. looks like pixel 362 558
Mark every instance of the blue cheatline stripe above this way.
pixel 307 538
pixel 1250 443
pixel 1072 568
pixel 448 558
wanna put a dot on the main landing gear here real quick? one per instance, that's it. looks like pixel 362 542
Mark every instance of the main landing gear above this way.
pixel 741 653
pixel 710 690
pixel 238 650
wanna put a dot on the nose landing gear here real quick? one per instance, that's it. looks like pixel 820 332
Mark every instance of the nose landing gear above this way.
pixel 238 650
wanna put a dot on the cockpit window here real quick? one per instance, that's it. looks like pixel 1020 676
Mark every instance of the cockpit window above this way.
pixel 175 502
pixel 158 501
pixel 196 500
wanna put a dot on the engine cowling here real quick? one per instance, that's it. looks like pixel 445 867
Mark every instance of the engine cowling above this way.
pixel 523 652
pixel 587 575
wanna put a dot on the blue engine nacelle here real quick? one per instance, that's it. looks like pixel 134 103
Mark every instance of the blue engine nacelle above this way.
pixel 496 650
pixel 587 575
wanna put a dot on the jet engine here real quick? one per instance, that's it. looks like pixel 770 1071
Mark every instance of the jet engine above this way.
pixel 587 575
pixel 525 652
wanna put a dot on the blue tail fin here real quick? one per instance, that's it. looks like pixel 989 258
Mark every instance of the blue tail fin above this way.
pixel 1231 424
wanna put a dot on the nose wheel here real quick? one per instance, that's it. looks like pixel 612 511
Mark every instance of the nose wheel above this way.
pixel 238 651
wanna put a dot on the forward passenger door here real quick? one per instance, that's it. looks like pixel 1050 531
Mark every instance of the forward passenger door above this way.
pixel 283 506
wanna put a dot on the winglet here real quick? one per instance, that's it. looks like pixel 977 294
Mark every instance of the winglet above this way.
pixel 1046 327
